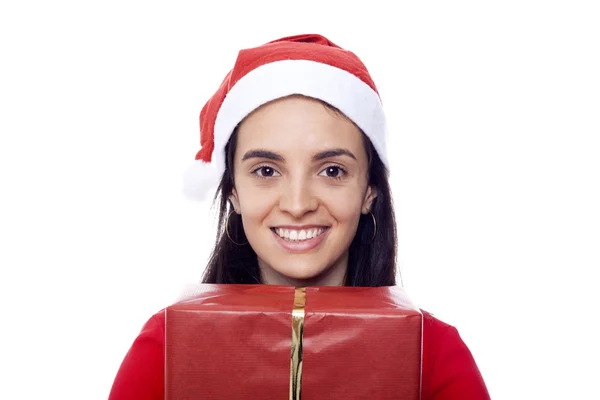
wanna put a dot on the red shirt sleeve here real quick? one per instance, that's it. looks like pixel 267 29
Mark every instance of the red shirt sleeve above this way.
pixel 449 370
pixel 141 375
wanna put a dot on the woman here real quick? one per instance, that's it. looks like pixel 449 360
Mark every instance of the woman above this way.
pixel 297 133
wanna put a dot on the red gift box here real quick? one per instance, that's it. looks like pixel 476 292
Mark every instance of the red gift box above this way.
pixel 238 341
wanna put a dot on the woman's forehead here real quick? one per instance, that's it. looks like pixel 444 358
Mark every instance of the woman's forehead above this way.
pixel 298 124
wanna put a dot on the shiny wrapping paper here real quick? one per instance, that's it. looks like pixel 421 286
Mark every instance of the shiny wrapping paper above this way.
pixel 236 342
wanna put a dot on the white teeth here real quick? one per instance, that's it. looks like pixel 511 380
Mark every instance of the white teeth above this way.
pixel 295 235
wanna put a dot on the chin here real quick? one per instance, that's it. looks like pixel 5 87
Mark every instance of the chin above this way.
pixel 302 275
pixel 299 273
pixel 317 268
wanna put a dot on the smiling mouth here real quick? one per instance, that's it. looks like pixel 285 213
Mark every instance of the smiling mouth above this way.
pixel 298 235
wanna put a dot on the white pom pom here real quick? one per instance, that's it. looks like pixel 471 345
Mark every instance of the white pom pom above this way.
pixel 199 180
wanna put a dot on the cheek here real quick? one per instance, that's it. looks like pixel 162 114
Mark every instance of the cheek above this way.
pixel 256 203
pixel 344 205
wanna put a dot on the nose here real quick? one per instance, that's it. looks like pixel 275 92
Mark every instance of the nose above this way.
pixel 297 197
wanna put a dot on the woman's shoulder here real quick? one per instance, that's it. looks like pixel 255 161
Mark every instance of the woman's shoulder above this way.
pixel 449 370
pixel 153 330
pixel 140 375
pixel 430 321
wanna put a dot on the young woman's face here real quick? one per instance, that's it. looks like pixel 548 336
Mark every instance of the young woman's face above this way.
pixel 300 173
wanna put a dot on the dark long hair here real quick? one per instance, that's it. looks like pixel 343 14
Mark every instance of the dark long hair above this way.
pixel 370 263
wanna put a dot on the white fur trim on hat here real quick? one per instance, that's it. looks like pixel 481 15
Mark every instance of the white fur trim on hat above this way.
pixel 200 179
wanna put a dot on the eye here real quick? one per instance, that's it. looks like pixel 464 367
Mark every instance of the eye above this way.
pixel 333 171
pixel 265 172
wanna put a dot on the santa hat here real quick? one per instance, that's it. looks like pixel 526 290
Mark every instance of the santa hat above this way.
pixel 308 65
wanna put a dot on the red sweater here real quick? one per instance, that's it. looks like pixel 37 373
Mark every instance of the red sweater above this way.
pixel 449 371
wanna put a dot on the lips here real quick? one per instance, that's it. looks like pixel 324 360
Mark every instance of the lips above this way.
pixel 300 240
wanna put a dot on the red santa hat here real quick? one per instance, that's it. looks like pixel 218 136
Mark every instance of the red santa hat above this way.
pixel 308 65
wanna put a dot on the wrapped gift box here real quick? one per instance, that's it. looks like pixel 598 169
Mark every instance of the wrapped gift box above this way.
pixel 276 342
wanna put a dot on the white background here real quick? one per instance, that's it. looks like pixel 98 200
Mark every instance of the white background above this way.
pixel 494 120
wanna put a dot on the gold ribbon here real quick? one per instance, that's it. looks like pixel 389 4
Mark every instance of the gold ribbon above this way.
pixel 297 333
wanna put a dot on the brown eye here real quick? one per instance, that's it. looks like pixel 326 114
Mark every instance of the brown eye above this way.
pixel 265 172
pixel 333 172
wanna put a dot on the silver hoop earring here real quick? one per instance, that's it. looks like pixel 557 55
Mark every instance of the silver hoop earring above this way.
pixel 227 231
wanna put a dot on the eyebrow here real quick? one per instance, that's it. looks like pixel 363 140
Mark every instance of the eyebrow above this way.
pixel 260 153
pixel 333 153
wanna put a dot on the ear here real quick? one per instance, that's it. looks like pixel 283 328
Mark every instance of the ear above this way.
pixel 370 196
pixel 235 202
